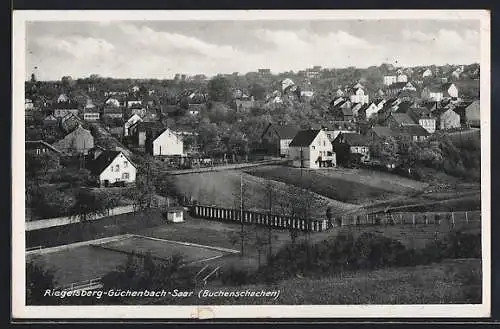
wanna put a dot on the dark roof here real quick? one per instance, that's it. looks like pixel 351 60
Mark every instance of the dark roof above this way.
pixel 415 130
pixel 304 137
pixel 398 85
pixel 355 139
pixel 382 131
pixel 417 113
pixel 104 160
pixel 148 125
pixel 283 131
pixel 403 119
pixel 404 106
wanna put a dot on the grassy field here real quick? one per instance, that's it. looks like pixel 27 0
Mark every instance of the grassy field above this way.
pixel 448 282
pixel 348 186
pixel 222 189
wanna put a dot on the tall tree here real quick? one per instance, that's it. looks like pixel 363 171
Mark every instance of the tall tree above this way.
pixel 219 89
pixel 87 206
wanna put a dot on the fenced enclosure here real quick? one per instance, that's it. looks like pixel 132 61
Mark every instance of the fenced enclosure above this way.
pixel 451 219
pixel 253 217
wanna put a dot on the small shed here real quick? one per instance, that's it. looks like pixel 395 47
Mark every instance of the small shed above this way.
pixel 175 214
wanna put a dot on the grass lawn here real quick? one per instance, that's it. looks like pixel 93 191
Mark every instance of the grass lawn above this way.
pixel 222 189
pixel 349 188
pixel 453 281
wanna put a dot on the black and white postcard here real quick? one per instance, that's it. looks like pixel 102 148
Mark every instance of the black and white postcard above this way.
pixel 251 164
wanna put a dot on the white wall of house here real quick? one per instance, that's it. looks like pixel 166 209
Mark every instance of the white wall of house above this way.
pixel 119 170
pixel 320 146
pixel 428 124
pixel 390 79
pixel 402 78
pixel 132 120
pixel 453 91
pixel 371 110
pixel 436 96
pixel 363 150
pixel 359 97
pixel 427 73
pixel 284 146
pixel 113 102
pixel 168 143
pixel 91 116
pixel 449 119
pixel 59 113
pixel 134 102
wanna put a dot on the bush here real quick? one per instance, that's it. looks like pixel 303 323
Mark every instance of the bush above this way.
pixel 235 277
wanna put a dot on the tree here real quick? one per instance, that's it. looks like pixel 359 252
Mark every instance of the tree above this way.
pixel 38 166
pixel 38 280
pixel 219 90
pixel 87 206
pixel 257 91
pixel 387 150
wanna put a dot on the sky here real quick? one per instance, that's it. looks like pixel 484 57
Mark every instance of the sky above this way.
pixel 159 49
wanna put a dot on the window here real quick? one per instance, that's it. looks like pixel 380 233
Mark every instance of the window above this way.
pixel 314 147
pixel 125 175
pixel 37 151
pixel 324 143
pixel 125 164
pixel 117 167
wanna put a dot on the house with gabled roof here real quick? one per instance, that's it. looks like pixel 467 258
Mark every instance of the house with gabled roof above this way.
pixel 345 145
pixel 129 123
pixel 398 120
pixel 166 143
pixel 473 114
pixel 79 141
pixel 447 118
pixel 40 147
pixel 50 120
pixel 70 122
pixel 424 118
pixel 277 137
pixel 311 149
pixel 112 168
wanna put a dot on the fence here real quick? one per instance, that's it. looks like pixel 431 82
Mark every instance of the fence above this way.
pixel 59 221
pixel 395 218
pixel 252 217
pixel 413 218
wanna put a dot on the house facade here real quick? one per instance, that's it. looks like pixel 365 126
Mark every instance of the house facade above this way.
pixel 345 145
pixel 448 119
pixel 390 79
pixel 168 143
pixel 427 73
pixel 358 96
pixel 113 167
pixel 311 149
pixel 130 122
pixel 473 114
pixel 79 141
pixel 371 110
pixel 277 138
pixel 424 118
pixel 62 112
pixel 91 114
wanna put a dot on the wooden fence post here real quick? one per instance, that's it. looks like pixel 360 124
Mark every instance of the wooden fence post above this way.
pixel 466 218
pixel 413 219
pixel 453 219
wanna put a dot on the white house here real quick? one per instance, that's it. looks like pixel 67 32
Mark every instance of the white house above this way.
pixel 402 78
pixel 358 96
pixel 112 102
pixel 311 149
pixel 168 143
pixel 63 98
pixel 112 167
pixel 28 104
pixel 130 122
pixel 427 74
pixel 133 102
pixel 371 110
pixel 135 89
pixel 390 79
